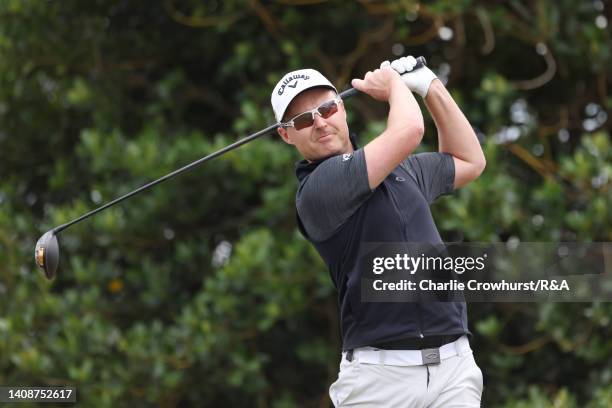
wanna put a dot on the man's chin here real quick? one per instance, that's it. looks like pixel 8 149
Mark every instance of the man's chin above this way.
pixel 325 151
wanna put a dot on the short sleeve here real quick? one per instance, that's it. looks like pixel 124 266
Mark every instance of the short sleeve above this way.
pixel 434 173
pixel 332 193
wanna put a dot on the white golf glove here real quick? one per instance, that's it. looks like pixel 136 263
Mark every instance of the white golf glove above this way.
pixel 417 81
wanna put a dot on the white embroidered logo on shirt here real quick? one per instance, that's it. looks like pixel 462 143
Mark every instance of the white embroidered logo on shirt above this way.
pixel 347 156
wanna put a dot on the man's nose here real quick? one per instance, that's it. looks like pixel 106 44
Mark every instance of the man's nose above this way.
pixel 318 120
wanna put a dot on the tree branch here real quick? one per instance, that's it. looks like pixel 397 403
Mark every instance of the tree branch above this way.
pixel 487 31
pixel 540 80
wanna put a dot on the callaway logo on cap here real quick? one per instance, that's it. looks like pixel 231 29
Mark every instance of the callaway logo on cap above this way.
pixel 294 83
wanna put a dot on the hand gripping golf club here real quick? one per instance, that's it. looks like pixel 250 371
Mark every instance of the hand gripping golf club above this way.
pixel 46 253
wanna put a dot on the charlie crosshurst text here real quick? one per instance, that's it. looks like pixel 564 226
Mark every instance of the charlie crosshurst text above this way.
pixel 472 285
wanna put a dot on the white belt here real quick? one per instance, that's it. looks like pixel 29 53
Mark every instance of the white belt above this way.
pixel 371 355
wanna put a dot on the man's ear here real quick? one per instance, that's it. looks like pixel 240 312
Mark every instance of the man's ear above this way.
pixel 342 107
pixel 284 135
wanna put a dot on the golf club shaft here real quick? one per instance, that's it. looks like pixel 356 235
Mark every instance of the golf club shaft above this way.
pixel 344 95
pixel 169 176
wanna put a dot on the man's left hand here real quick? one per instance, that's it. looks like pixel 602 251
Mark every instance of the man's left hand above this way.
pixel 418 81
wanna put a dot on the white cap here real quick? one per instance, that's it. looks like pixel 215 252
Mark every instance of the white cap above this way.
pixel 294 83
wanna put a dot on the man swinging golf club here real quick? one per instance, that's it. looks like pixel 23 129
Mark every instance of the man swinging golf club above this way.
pixel 398 354
pixel 394 354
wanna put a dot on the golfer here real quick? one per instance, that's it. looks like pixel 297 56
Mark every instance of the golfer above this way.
pixel 400 354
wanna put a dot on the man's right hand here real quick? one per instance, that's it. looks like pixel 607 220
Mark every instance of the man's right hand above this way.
pixel 378 83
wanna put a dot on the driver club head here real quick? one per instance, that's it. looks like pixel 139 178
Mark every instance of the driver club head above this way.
pixel 46 254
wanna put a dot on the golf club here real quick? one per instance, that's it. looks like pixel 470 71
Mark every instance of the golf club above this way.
pixel 46 253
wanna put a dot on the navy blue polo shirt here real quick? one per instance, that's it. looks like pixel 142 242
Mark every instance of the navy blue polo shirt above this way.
pixel 339 214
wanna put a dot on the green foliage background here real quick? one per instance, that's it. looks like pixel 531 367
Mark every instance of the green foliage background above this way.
pixel 99 97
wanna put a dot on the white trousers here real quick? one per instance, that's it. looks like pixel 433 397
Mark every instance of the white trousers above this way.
pixel 455 382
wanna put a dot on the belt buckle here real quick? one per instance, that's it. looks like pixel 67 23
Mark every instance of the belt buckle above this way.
pixel 431 356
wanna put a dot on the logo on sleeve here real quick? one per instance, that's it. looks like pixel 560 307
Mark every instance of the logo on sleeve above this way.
pixel 347 156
